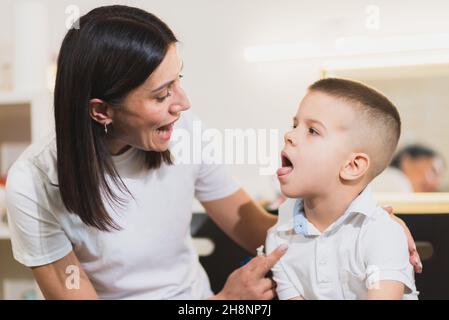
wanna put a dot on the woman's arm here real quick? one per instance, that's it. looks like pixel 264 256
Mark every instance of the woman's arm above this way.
pixel 64 279
pixel 242 219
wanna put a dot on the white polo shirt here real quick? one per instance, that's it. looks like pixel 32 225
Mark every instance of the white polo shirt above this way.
pixel 152 257
pixel 362 247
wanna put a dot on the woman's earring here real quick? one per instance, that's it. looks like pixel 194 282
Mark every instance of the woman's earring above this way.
pixel 106 128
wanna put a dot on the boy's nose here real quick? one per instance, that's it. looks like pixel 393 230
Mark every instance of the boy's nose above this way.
pixel 288 139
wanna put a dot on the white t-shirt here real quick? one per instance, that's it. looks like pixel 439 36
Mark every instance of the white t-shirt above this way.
pixel 152 257
pixel 362 247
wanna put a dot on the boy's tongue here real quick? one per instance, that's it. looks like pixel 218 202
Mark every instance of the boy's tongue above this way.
pixel 283 171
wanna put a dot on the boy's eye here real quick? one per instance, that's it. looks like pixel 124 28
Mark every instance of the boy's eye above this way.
pixel 313 132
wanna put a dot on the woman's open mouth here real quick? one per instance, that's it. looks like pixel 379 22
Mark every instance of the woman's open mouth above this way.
pixel 164 132
pixel 287 166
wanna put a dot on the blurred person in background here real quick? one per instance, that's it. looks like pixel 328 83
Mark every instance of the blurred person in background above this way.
pixel 415 168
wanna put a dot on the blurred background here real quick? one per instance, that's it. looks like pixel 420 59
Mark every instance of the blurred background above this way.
pixel 246 65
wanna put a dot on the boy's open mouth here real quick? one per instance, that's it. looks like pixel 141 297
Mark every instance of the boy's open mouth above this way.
pixel 287 166
pixel 286 161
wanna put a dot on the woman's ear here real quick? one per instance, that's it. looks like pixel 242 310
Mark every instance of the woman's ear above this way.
pixel 355 167
pixel 100 111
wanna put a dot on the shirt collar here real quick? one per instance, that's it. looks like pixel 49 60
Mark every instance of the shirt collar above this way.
pixel 363 204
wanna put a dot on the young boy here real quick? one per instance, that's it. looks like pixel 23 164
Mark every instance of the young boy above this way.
pixel 341 244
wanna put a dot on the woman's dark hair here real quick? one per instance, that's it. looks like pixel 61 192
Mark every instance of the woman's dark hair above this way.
pixel 114 50
pixel 414 151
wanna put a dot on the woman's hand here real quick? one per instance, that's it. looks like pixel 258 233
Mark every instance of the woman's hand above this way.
pixel 414 256
pixel 249 282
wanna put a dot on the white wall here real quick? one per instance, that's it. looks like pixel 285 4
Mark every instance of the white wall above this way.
pixel 226 91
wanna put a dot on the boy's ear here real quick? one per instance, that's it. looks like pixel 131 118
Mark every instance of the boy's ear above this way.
pixel 355 167
pixel 100 111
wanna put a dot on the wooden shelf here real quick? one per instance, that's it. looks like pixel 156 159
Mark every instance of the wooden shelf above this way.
pixel 415 203
pixel 40 104
pixel 11 97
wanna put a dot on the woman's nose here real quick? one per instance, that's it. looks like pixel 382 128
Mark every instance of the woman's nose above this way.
pixel 180 103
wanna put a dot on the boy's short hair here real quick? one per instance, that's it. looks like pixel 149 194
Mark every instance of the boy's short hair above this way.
pixel 380 122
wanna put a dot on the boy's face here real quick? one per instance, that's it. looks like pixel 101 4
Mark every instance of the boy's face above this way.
pixel 317 146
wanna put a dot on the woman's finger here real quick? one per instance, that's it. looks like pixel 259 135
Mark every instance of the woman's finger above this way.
pixel 266 284
pixel 273 283
pixel 269 294
pixel 254 263
pixel 416 262
pixel 388 208
pixel 267 262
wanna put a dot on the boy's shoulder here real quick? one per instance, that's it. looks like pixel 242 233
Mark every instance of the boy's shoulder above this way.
pixel 381 232
pixel 381 220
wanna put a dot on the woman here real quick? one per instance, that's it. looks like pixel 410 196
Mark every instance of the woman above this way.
pixel 113 208
pixel 415 168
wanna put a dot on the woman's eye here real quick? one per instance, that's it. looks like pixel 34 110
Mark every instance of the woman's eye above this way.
pixel 294 126
pixel 313 132
pixel 162 99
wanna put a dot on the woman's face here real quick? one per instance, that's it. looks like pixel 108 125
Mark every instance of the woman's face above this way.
pixel 145 119
pixel 424 173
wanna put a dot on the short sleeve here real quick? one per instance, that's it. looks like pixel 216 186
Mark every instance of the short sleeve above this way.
pixel 213 180
pixel 36 236
pixel 386 253
pixel 285 288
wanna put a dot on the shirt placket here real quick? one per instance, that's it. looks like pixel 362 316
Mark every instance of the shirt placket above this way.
pixel 322 260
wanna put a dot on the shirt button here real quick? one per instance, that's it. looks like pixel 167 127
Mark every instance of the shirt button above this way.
pixel 323 280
